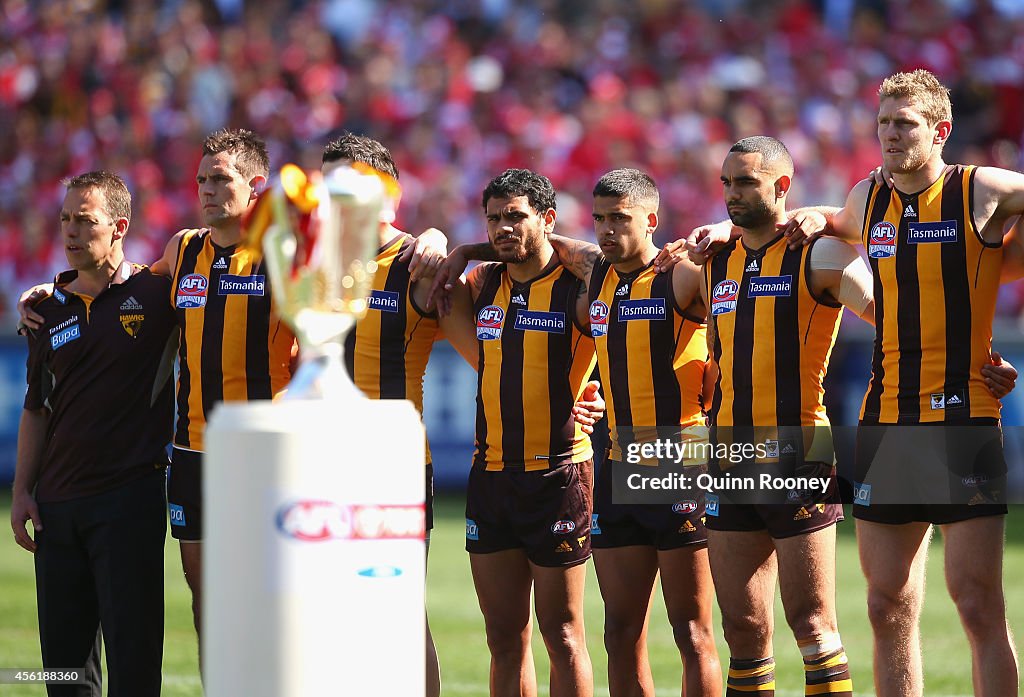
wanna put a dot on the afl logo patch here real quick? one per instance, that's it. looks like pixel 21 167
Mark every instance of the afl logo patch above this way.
pixel 723 297
pixel 882 240
pixel 192 291
pixel 598 319
pixel 488 323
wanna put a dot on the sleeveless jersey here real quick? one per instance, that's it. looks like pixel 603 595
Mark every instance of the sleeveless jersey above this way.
pixel 533 364
pixel 386 353
pixel 935 286
pixel 650 352
pixel 773 338
pixel 233 347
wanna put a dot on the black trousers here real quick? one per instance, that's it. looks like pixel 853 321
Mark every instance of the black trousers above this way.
pixel 100 564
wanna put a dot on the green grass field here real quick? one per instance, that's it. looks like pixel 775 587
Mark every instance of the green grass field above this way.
pixel 458 628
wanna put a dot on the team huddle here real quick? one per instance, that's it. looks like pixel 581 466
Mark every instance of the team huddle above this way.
pixel 726 346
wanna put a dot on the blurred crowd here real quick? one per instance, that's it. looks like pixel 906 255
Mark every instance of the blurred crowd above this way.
pixel 461 89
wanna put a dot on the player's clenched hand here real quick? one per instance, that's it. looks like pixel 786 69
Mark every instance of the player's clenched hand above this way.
pixel 803 227
pixel 670 255
pixel 23 509
pixel 448 273
pixel 589 409
pixel 28 317
pixel 426 255
pixel 704 242
pixel 1000 376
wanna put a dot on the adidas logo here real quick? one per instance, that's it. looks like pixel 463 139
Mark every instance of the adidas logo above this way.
pixel 909 212
pixel 221 263
pixel 518 299
pixel 802 514
pixel 954 401
pixel 564 547
pixel 131 305
pixel 789 449
pixel 752 266
pixel 977 500
pixel 687 527
pixel 624 290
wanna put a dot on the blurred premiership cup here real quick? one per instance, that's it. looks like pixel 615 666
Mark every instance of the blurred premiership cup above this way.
pixel 313 505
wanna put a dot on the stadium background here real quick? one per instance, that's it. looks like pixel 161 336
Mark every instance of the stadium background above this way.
pixel 459 90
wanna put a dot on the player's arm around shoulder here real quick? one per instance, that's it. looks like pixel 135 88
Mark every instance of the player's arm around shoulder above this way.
pixel 998 198
pixel 577 256
pixel 167 264
pixel 457 318
pixel 848 221
pixel 687 287
pixel 838 274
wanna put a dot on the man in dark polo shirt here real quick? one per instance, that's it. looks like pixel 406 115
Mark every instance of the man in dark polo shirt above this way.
pixel 91 450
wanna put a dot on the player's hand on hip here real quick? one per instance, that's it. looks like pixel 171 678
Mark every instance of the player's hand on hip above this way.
pixel 23 509
pixel 803 228
pixel 426 255
pixel 589 409
pixel 27 317
pixel 1000 376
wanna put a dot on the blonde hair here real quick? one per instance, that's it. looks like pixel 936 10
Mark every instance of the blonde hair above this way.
pixel 924 89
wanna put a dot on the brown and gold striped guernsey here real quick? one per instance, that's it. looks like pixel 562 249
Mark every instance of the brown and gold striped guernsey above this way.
pixel 650 351
pixel 387 352
pixel 233 348
pixel 772 337
pixel 534 362
pixel 935 290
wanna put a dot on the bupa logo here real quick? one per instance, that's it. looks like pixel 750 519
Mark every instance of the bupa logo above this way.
pixel 723 297
pixel 861 494
pixel 488 323
pixel 684 507
pixel 177 514
pixel 882 240
pixel 595 527
pixel 68 335
pixel 472 530
pixel 598 318
pixel 192 291
pixel 563 527
pixel 711 504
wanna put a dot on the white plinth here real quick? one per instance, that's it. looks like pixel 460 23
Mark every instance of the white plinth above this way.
pixel 313 556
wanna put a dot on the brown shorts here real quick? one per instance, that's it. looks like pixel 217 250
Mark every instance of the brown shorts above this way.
pixel 664 526
pixel 545 512
pixel 937 473
pixel 808 513
pixel 185 494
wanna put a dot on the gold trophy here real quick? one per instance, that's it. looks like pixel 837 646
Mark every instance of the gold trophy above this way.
pixel 319 236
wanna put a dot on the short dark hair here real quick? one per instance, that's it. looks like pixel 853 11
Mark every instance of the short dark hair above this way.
pixel 361 149
pixel 772 150
pixel 629 183
pixel 115 193
pixel 249 148
pixel 522 182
